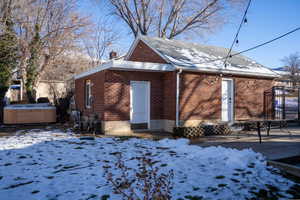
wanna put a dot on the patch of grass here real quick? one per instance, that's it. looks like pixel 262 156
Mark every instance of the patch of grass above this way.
pixel 212 189
pixel 239 170
pixel 156 138
pixel 22 157
pixel 271 194
pixel 193 197
pixel 17 185
pixel 272 188
pixel 124 138
pixel 105 197
pixel 115 153
pixel 35 192
pixel 7 164
pixel 235 180
pixel 196 188
pixel 92 196
pixel 251 165
pixel 162 148
pixel 222 185
pixel 220 177
pixel 294 190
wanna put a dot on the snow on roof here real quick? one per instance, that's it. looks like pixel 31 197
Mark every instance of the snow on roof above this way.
pixel 127 65
pixel 202 57
pixel 187 56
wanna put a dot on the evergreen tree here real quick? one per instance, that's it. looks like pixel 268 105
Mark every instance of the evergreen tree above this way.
pixel 8 58
pixel 32 65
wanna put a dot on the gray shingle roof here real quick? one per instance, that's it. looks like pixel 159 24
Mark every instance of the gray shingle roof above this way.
pixel 200 57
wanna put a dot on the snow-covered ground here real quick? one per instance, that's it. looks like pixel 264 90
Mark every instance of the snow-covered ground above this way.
pixel 54 165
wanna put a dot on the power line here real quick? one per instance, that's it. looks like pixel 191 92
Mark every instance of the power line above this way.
pixel 281 36
pixel 238 31
pixel 252 48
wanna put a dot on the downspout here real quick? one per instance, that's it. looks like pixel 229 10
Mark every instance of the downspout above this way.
pixel 177 96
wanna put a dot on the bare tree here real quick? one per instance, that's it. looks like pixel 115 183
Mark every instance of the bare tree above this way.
pixel 101 40
pixel 292 66
pixel 170 18
pixel 47 29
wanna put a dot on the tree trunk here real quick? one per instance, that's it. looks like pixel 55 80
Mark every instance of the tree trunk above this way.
pixel 31 96
pixel 2 103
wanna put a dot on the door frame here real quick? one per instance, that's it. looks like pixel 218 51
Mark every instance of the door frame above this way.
pixel 232 116
pixel 149 100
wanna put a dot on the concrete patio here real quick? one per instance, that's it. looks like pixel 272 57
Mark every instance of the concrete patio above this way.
pixel 281 143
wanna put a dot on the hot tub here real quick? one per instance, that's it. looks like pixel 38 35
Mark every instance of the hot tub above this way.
pixel 29 113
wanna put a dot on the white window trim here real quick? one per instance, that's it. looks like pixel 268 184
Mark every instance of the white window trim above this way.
pixel 87 100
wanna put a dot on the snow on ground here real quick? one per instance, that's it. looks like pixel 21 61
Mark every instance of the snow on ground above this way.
pixel 56 165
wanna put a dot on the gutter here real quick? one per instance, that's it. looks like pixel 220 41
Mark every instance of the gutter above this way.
pixel 220 71
pixel 177 95
pixel 127 66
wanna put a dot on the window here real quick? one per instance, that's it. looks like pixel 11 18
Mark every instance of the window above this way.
pixel 88 94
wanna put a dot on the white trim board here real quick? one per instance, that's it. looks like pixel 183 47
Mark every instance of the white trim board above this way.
pixel 156 67
pixel 127 65
pixel 224 71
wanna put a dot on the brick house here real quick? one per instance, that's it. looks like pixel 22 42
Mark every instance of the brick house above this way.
pixel 164 83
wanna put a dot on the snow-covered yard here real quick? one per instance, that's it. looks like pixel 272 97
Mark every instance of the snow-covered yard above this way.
pixel 52 164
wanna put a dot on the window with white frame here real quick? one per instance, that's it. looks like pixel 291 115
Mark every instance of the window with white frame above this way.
pixel 88 94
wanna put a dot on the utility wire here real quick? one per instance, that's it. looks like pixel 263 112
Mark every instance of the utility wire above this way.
pixel 292 31
pixel 252 48
pixel 237 33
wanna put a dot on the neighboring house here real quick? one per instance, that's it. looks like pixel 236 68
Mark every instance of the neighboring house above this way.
pixel 284 78
pixel 15 90
pixel 54 82
pixel 164 83
pixel 51 89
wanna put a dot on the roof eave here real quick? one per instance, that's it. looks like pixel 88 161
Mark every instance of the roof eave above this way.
pixel 222 71
pixel 128 66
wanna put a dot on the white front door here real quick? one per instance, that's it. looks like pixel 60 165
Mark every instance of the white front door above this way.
pixel 140 102
pixel 227 100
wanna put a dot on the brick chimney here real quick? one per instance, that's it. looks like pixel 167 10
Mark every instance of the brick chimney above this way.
pixel 112 55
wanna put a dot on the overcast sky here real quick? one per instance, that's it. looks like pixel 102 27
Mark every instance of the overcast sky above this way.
pixel 267 19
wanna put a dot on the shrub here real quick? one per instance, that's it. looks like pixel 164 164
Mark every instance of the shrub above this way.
pixel 143 183
pixel 62 107
pixel 43 100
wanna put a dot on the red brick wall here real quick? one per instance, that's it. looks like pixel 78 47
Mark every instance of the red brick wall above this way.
pixel 200 97
pixel 142 53
pixel 169 100
pixel 117 94
pixel 97 81
pixel 249 102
